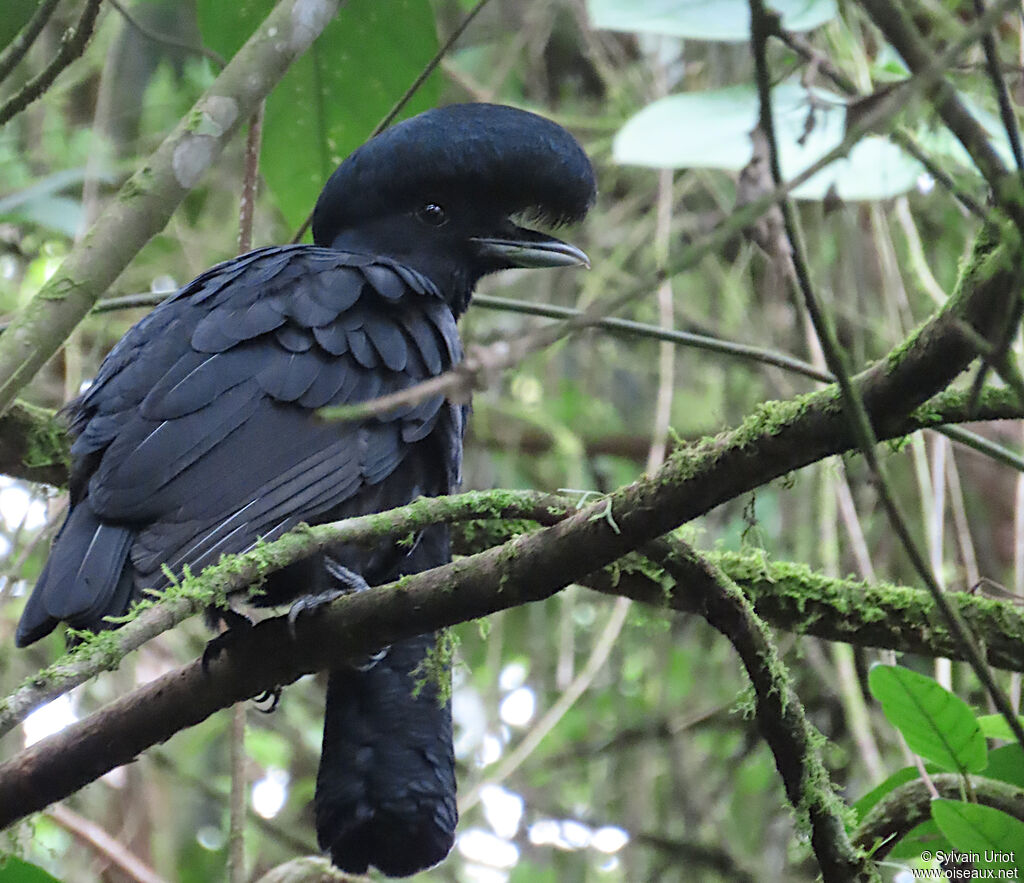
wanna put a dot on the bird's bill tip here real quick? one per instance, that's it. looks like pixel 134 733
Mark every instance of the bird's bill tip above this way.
pixel 532 252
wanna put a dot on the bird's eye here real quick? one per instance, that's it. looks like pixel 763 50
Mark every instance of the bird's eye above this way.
pixel 433 215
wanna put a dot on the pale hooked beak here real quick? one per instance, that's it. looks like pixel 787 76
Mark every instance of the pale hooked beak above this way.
pixel 532 249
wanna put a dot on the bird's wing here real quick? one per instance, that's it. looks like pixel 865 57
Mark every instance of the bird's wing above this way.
pixel 201 429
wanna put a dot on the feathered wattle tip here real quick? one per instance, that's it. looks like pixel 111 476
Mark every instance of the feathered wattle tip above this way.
pixel 519 161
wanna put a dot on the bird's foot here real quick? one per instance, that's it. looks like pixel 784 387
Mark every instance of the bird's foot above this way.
pixel 372 659
pixel 310 604
pixel 346 582
pixel 235 624
pixel 272 696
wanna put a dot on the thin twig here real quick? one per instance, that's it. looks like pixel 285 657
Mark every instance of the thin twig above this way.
pixel 236 730
pixel 898 28
pixel 20 45
pixel 100 842
pixel 166 40
pixel 803 47
pixel 995 73
pixel 236 798
pixel 514 759
pixel 250 177
pixel 72 45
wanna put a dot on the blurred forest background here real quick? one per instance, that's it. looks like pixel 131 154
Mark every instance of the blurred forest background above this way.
pixel 597 739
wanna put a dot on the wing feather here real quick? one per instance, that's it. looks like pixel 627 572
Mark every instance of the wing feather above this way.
pixel 200 432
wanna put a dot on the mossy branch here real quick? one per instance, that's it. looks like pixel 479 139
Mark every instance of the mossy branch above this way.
pixel 908 805
pixel 190 594
pixel 794 742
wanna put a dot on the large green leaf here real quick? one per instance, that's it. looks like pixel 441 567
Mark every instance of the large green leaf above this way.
pixel 990 837
pixel 937 725
pixel 711 130
pixel 703 19
pixel 331 98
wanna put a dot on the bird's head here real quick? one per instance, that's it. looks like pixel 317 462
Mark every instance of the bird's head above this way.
pixel 440 193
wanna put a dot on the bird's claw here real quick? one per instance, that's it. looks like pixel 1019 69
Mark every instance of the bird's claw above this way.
pixel 273 696
pixel 310 604
pixel 373 659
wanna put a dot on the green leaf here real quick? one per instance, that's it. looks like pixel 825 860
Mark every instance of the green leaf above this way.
pixel 937 725
pixel 711 130
pixel 332 98
pixel 1007 765
pixel 15 17
pixel 994 726
pixel 14 870
pixel 727 20
pixel 990 837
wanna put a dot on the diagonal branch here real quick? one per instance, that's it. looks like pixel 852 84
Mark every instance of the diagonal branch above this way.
pixel 19 46
pixel 150 196
pixel 72 45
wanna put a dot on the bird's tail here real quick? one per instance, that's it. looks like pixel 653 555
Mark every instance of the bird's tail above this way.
pixel 84 580
pixel 385 791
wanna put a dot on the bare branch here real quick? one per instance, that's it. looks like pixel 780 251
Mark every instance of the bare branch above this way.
pixel 20 45
pixel 72 45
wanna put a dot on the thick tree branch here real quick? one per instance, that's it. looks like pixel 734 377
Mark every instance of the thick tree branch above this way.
pixel 235 573
pixel 795 598
pixel 149 197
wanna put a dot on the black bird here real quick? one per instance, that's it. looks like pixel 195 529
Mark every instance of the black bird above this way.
pixel 199 434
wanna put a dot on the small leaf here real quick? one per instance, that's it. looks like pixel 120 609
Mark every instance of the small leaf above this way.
pixel 727 20
pixel 711 130
pixel 937 725
pixel 994 726
pixel 990 837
